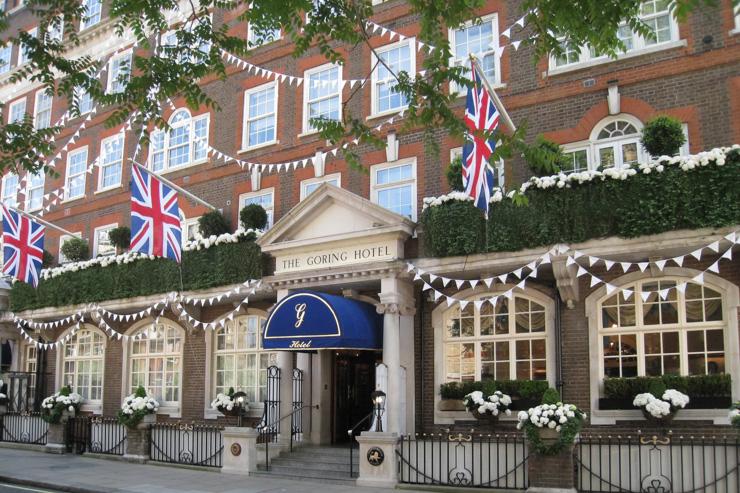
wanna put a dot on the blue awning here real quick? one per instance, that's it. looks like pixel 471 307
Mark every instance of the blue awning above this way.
pixel 307 320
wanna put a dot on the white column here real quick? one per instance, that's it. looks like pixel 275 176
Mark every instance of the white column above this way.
pixel 285 363
pixel 321 395
pixel 304 364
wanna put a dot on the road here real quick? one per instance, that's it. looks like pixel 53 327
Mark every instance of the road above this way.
pixel 11 488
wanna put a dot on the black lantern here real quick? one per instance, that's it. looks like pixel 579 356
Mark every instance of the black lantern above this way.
pixel 240 398
pixel 378 398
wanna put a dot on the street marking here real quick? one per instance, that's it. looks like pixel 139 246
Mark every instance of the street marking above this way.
pixel 24 488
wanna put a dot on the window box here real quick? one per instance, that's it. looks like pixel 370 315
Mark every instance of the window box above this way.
pixel 613 404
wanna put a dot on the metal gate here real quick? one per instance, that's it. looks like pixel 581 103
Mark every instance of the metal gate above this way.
pixel 25 390
pixel 269 427
pixel 296 417
pixel 658 464
pixel 464 459
pixel 95 434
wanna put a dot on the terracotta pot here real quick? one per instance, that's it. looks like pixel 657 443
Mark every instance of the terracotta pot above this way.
pixel 665 420
pixel 451 405
pixel 486 417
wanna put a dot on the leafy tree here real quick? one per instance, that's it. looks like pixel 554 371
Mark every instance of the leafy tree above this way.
pixel 161 71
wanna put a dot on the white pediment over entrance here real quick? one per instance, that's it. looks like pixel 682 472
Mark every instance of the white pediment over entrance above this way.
pixel 333 227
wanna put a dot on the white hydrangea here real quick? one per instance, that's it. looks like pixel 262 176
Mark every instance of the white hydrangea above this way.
pixel 224 401
pixel 717 156
pixel 659 408
pixel 132 403
pixel 676 398
pixel 199 243
pixel 71 401
pixel 551 416
pixel 494 404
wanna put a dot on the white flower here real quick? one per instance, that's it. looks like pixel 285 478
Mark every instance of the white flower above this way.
pixel 551 424
pixel 676 398
pixel 522 416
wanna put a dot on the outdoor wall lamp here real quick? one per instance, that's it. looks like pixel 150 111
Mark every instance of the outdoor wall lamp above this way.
pixel 378 399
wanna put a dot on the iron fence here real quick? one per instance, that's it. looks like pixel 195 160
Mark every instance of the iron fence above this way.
pixel 658 464
pixel 95 434
pixel 25 390
pixel 269 425
pixel 23 427
pixel 183 443
pixel 464 459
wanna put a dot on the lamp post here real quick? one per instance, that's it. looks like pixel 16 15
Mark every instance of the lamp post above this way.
pixel 378 399
pixel 241 401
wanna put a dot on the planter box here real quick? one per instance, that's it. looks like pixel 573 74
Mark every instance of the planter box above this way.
pixel 609 404
pixel 451 405
pixel 523 404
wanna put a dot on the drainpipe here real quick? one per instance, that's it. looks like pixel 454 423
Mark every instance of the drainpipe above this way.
pixel 421 355
pixel 559 352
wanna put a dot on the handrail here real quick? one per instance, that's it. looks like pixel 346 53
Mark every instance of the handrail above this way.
pixel 271 425
pixel 351 432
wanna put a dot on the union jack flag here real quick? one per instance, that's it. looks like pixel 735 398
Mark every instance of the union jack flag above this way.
pixel 23 247
pixel 155 216
pixel 481 116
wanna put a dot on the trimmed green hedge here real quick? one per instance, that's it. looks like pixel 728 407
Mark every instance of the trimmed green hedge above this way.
pixel 694 386
pixel 526 389
pixel 706 196
pixel 219 265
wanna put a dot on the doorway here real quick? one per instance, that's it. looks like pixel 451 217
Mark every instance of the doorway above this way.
pixel 354 381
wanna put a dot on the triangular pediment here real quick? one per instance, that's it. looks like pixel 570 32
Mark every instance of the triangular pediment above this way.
pixel 333 214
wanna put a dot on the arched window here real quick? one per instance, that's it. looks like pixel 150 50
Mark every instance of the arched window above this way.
pixel 185 143
pixel 239 360
pixel 668 326
pixel 617 144
pixel 156 361
pixel 83 364
pixel 507 341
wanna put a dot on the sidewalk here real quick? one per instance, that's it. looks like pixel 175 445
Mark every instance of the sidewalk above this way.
pixel 80 474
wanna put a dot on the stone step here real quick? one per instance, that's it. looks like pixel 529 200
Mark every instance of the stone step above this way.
pixel 307 472
pixel 348 481
pixel 319 464
pixel 313 451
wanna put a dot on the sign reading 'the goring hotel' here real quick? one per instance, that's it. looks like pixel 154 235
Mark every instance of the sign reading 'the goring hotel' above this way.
pixel 337 257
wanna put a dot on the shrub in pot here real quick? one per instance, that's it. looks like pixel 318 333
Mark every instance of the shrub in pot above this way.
pixel 253 216
pixel 213 223
pixel 551 428
pixel 231 403
pixel 120 238
pixel 660 405
pixel 62 403
pixel 487 408
pixel 662 136
pixel 138 408
pixel 75 250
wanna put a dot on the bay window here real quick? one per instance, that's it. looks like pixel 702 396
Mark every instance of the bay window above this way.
pixel 155 362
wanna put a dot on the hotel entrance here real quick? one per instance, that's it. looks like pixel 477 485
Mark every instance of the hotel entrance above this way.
pixel 354 381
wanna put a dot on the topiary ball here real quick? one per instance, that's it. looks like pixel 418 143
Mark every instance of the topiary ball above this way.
pixel 75 250
pixel 551 396
pixel 663 136
pixel 253 216
pixel 213 224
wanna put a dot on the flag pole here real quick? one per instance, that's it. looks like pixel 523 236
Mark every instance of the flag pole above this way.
pixel 499 105
pixel 45 223
pixel 179 189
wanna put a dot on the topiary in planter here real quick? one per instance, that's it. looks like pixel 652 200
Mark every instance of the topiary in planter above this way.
pixel 545 157
pixel 75 250
pixel 454 175
pixel 120 237
pixel 48 259
pixel 213 224
pixel 253 216
pixel 551 396
pixel 663 136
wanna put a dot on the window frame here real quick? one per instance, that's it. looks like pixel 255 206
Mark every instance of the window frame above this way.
pixel 6 51
pixel 306 92
pixel 5 179
pixel 22 57
pixel 89 405
pixel 375 187
pixel 500 167
pixel 374 96
pixel 246 120
pixel 260 193
pixel 454 61
pixel 254 45
pixel 186 223
pixel 320 179
pixel 41 95
pixel 115 62
pixel 13 105
pixel 102 166
pixel 166 145
pixel 30 189
pixel 85 22
pixel 69 178
pixel 96 245
pixel 62 240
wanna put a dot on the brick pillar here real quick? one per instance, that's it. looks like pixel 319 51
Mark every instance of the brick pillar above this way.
pixel 551 473
pixel 55 437
pixel 138 440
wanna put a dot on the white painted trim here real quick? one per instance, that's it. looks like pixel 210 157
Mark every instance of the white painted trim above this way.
pixel 306 87
pixel 438 319
pixel 109 78
pixel 95 407
pixel 101 165
pixel 95 237
pixel 190 123
pixel 375 188
pixel 493 19
pixel 411 42
pixel 258 193
pixel 245 123
pixel 320 179
pixel 67 187
pixel 731 300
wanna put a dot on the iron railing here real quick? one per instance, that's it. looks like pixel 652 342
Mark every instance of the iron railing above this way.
pixel 469 460
pixel 25 390
pixel 267 435
pixel 24 427
pixel 351 432
pixel 269 425
pixel 187 443
pixel 669 463
pixel 95 434
pixel 296 422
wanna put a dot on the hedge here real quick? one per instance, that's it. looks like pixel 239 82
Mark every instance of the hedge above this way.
pixel 228 263
pixel 707 196
pixel 719 385
pixel 526 389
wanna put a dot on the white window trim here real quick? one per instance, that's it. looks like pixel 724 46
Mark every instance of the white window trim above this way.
pixel 184 224
pixel 374 113
pixel 500 167
pixel 307 130
pixel 321 179
pixel 245 123
pixel 375 188
pixel 4 182
pixel 67 181
pixel 496 84
pixel 438 323
pixel 731 299
pixel 27 197
pixel 174 411
pixel 736 29
pixel 124 54
pixel 40 94
pixel 255 409
pixel 101 165
pixel 78 93
pixel 191 162
pixel 15 103
pixel 62 240
pixel 9 65
pixel 84 25
pixel 96 406
pixel 257 193
pixel 95 237
pixel 22 60
pixel 264 42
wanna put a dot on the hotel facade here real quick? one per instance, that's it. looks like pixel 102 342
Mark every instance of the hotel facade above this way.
pixel 341 239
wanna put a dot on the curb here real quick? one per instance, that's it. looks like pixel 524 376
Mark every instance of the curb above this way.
pixel 47 485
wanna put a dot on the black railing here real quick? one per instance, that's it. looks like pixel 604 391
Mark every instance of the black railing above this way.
pixel 267 435
pixel 25 390
pixel 186 443
pixel 469 460
pixel 95 434
pixel 352 432
pixel 24 427
pixel 296 420
pixel 269 426
pixel 669 463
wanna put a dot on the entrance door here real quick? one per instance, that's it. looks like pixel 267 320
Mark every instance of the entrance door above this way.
pixel 354 381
